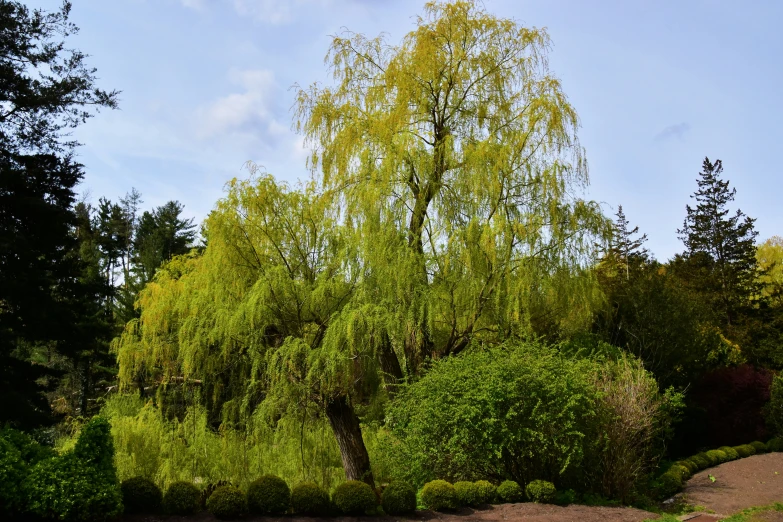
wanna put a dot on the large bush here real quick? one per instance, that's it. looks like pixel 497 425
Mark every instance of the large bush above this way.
pixel 635 422
pixel 268 495
pixel 226 503
pixel 81 484
pixel 354 497
pixel 141 495
pixel 398 498
pixel 308 498
pixel 13 470
pixel 181 498
pixel 439 495
pixel 524 411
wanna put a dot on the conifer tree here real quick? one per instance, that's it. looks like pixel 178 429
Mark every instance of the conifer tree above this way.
pixel 720 256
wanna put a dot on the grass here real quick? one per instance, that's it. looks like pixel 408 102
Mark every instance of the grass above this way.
pixel 746 515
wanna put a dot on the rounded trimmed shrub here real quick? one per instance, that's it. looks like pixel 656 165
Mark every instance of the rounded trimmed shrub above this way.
pixel 467 493
pixel 668 484
pixel 702 460
pixel 717 457
pixel 354 497
pixel 745 450
pixel 141 495
pixel 541 491
pixel 510 492
pixel 439 495
pixel 759 446
pixel 308 498
pixel 487 492
pixel 398 498
pixel 730 452
pixel 226 503
pixel 684 472
pixel 775 444
pixel 689 465
pixel 268 495
pixel 181 498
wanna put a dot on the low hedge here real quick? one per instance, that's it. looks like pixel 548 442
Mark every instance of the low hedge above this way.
pixel 354 497
pixel 487 492
pixel 730 452
pixel 510 492
pixel 398 498
pixel 439 495
pixel 268 495
pixel 141 495
pixel 541 491
pixel 468 493
pixel 227 503
pixel 181 498
pixel 760 446
pixel 310 499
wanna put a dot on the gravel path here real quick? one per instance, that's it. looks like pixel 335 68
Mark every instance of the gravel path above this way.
pixel 739 484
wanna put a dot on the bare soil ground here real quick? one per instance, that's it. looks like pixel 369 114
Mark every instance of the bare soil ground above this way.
pixel 740 484
pixel 503 513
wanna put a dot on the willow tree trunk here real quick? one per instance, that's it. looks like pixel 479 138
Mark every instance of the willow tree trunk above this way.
pixel 345 425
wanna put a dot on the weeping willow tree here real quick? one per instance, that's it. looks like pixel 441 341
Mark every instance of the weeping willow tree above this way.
pixel 443 211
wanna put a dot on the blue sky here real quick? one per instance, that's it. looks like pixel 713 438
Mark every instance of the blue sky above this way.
pixel 658 86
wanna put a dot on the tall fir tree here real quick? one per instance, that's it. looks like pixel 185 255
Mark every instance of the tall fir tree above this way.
pixel 46 90
pixel 720 255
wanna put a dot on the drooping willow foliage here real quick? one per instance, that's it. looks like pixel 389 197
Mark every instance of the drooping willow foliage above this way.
pixel 443 212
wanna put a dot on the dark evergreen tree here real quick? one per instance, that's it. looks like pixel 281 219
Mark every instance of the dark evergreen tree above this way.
pixel 46 89
pixel 625 253
pixel 161 235
pixel 720 258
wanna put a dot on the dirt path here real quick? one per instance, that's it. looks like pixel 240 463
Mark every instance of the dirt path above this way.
pixel 740 484
pixel 526 512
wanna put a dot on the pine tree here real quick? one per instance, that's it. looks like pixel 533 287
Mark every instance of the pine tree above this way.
pixel 46 90
pixel 720 247
pixel 625 251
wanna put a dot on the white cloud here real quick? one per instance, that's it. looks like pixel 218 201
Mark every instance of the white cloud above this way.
pixel 241 111
pixel 275 12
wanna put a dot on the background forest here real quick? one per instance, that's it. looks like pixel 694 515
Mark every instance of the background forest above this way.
pixel 438 301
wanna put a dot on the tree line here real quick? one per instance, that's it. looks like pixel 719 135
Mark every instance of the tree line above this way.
pixel 445 217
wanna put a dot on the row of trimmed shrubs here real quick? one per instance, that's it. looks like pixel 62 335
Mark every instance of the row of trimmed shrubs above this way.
pixel 270 495
pixel 671 481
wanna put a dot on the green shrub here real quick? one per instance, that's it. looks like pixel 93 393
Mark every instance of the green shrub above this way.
pixel 308 498
pixel 702 460
pixel 541 491
pixel 467 493
pixel 774 409
pixel 745 450
pixel 226 503
pixel 487 492
pixel 717 457
pixel 775 444
pixel 458 393
pixel 689 465
pixel 268 495
pixel 684 472
pixel 81 484
pixel 439 495
pixel 759 446
pixel 564 498
pixel 181 498
pixel 510 492
pixel 398 498
pixel 730 452
pixel 141 495
pixel 13 470
pixel 668 484
pixel 354 497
